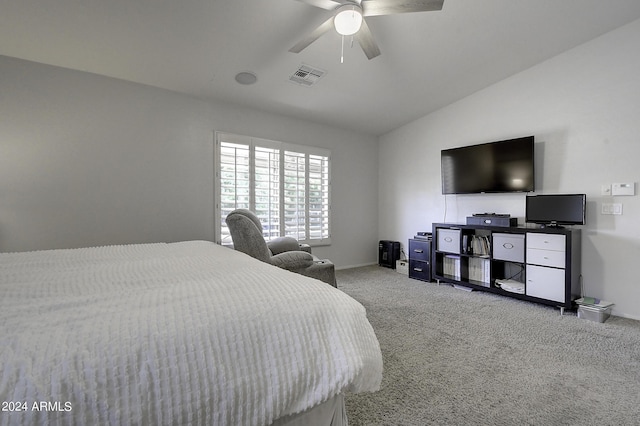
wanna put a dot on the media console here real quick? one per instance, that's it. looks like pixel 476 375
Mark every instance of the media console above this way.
pixel 535 264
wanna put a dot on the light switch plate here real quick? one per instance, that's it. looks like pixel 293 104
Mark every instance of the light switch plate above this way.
pixel 611 208
pixel 628 188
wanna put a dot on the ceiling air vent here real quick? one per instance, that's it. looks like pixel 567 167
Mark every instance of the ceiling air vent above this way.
pixel 306 75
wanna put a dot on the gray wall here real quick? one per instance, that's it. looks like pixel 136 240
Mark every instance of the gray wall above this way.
pixel 583 108
pixel 88 160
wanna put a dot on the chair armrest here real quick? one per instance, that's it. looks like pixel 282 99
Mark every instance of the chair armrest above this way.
pixel 283 244
pixel 305 247
pixel 293 260
pixel 322 270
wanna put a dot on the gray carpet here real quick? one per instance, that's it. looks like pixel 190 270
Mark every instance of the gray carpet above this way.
pixel 453 357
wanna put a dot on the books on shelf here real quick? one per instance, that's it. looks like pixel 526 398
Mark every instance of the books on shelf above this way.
pixel 451 266
pixel 480 245
pixel 480 270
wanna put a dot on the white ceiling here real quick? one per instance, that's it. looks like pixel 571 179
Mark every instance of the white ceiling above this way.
pixel 428 60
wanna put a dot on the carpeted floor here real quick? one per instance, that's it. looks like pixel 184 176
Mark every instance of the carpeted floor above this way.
pixel 453 357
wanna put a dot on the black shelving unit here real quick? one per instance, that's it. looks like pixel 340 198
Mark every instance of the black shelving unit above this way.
pixel 543 262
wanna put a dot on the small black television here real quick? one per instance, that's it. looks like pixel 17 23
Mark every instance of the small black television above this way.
pixel 502 166
pixel 556 209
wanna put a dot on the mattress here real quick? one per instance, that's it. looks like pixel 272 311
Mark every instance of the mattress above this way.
pixel 182 333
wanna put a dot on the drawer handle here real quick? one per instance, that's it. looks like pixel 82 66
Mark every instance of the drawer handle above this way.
pixel 448 239
pixel 417 269
pixel 418 251
pixel 508 245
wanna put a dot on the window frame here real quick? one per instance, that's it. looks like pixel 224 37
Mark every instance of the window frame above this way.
pixel 282 148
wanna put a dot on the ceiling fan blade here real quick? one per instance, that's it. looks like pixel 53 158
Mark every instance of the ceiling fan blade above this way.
pixel 366 41
pixel 391 7
pixel 313 36
pixel 324 4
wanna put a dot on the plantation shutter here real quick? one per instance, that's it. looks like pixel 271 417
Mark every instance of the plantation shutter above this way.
pixel 318 200
pixel 267 190
pixel 295 190
pixel 287 186
pixel 234 182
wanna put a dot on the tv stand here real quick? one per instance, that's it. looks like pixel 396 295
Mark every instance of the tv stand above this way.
pixel 539 265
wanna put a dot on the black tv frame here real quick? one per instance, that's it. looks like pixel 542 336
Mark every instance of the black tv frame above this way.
pixel 455 181
pixel 554 199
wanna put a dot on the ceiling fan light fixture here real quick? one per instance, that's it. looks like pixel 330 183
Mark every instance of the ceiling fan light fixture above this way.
pixel 348 20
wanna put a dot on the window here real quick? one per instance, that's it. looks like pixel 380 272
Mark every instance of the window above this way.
pixel 287 186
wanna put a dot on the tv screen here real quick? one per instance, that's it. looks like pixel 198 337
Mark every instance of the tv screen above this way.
pixel 556 209
pixel 503 166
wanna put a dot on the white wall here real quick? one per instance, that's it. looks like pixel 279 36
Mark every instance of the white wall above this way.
pixel 89 160
pixel 583 107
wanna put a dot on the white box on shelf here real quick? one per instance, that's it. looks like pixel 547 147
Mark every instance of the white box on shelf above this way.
pixel 545 283
pixel 546 241
pixel 508 247
pixel 448 240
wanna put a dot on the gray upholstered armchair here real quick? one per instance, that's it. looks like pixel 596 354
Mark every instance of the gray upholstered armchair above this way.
pixel 283 252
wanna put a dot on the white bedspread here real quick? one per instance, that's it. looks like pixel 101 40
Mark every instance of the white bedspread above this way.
pixel 183 333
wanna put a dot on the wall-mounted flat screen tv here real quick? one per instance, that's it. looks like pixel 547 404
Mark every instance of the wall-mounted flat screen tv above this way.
pixel 556 209
pixel 503 166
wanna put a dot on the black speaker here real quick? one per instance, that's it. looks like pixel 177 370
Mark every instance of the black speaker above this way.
pixel 492 221
pixel 388 253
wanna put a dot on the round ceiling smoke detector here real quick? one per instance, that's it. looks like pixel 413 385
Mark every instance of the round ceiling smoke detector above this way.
pixel 246 78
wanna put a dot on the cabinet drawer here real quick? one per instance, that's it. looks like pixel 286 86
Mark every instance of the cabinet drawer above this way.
pixel 508 247
pixel 545 283
pixel 546 241
pixel 448 240
pixel 546 257
pixel 419 250
pixel 420 270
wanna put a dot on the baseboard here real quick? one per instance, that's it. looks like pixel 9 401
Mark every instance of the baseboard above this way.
pixel 623 315
pixel 355 266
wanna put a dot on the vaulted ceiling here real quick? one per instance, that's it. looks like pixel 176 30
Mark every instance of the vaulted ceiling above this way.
pixel 428 59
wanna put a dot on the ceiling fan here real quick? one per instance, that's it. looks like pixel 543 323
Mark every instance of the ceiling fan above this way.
pixel 348 19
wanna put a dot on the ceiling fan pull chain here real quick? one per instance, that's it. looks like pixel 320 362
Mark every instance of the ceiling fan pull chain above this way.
pixel 342 52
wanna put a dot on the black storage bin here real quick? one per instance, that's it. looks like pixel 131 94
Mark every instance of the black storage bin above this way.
pixel 388 253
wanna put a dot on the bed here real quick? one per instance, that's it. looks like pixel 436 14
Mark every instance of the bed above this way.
pixel 180 333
